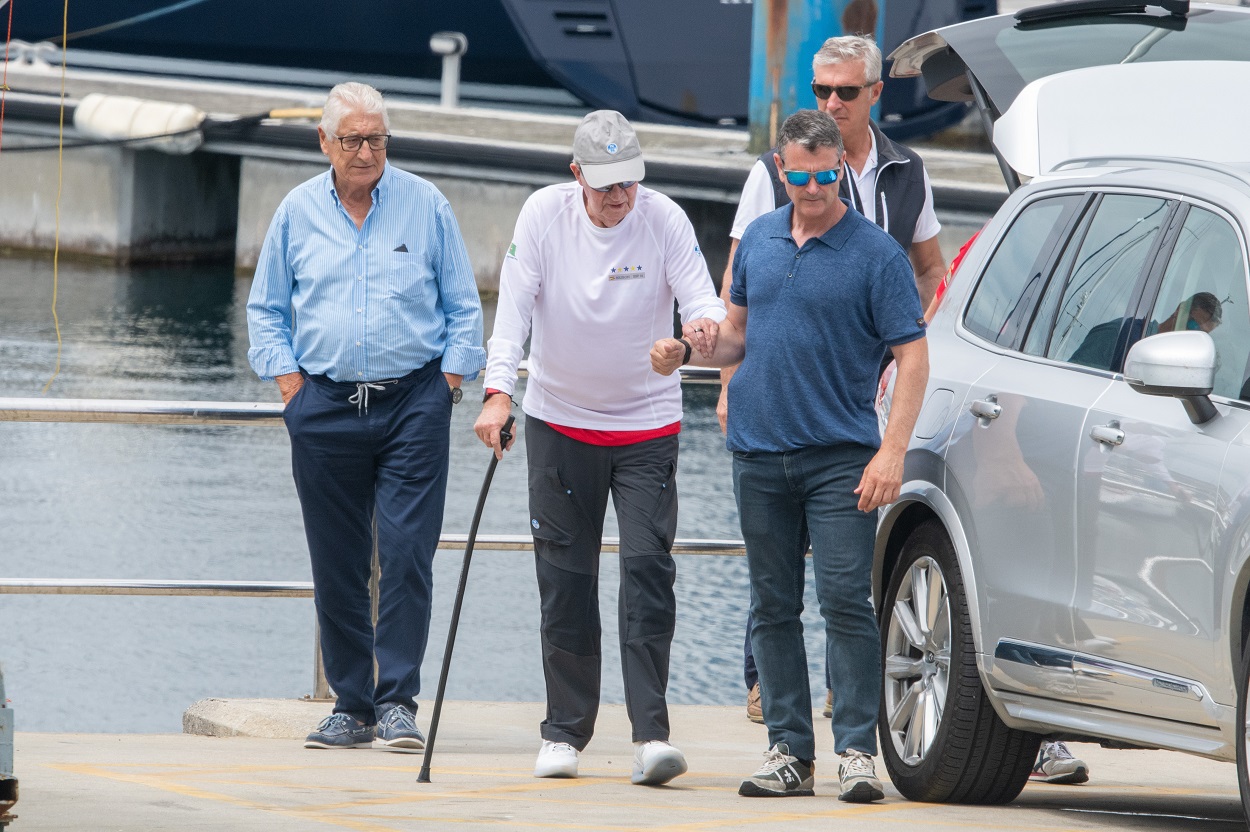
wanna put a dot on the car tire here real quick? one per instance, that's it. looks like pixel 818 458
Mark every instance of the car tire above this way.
pixel 941 739
pixel 1243 732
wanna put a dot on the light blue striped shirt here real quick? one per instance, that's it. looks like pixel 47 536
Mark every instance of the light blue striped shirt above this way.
pixel 368 304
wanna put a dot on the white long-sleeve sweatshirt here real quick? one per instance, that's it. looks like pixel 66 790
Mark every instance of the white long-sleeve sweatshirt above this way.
pixel 596 299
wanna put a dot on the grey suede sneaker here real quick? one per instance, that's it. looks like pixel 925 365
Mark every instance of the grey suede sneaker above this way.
pixel 397 731
pixel 782 775
pixel 340 731
pixel 1056 764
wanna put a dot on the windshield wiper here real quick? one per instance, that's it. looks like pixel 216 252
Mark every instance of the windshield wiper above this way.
pixel 1085 8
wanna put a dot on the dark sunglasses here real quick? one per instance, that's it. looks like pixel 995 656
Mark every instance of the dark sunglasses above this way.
pixel 800 178
pixel 625 186
pixel 847 93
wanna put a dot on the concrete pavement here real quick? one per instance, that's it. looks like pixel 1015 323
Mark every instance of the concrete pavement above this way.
pixel 482 781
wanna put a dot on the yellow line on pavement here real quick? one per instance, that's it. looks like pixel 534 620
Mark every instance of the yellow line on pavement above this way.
pixel 201 794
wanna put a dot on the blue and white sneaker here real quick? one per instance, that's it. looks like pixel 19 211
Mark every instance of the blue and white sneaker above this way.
pixel 340 731
pixel 1056 764
pixel 397 731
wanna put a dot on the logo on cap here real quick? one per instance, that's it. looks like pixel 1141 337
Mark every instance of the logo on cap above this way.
pixel 612 148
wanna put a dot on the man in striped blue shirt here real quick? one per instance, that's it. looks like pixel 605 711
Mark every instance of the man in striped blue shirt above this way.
pixel 365 311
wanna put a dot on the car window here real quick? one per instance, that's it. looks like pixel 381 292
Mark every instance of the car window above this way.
pixel 1092 323
pixel 1014 273
pixel 1036 51
pixel 1006 54
pixel 1204 287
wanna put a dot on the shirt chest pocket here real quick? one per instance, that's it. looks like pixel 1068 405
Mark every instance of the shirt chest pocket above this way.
pixel 409 276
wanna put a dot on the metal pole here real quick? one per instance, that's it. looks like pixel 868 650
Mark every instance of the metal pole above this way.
pixel 451 45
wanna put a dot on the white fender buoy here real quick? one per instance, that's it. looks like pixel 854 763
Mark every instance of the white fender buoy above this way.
pixel 100 116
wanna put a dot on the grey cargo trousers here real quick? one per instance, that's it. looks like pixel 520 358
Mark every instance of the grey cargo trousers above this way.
pixel 569 484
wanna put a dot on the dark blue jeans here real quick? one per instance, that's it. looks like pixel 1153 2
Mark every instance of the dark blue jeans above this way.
pixel 347 461
pixel 785 500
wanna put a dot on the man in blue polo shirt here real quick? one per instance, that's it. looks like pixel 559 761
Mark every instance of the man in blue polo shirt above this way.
pixel 826 292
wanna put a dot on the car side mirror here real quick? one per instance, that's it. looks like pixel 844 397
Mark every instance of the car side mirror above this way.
pixel 1176 364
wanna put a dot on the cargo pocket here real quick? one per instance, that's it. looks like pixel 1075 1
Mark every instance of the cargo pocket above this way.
pixel 652 528
pixel 556 521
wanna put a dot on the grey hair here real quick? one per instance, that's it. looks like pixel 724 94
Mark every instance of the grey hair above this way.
pixel 352 97
pixel 810 130
pixel 851 48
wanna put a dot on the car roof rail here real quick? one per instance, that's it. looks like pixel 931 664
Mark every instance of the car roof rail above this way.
pixel 1081 8
pixel 1240 174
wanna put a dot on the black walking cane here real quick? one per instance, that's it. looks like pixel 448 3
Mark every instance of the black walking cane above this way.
pixel 505 436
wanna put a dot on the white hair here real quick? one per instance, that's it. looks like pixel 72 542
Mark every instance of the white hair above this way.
pixel 851 48
pixel 352 97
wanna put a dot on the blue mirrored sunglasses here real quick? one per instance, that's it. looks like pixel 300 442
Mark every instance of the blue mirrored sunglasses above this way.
pixel 800 178
pixel 625 186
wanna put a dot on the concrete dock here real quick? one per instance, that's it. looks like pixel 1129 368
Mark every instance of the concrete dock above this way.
pixel 481 780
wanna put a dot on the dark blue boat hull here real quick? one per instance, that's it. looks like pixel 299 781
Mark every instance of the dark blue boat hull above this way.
pixel 668 61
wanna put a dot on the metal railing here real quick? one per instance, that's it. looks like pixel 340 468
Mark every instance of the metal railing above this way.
pixel 256 414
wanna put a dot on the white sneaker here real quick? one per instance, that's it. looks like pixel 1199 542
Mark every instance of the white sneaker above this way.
pixel 656 762
pixel 556 759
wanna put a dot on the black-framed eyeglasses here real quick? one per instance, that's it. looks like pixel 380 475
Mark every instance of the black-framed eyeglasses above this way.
pixel 624 186
pixel 353 143
pixel 846 93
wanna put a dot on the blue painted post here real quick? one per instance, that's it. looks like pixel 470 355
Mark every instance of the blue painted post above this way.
pixel 785 34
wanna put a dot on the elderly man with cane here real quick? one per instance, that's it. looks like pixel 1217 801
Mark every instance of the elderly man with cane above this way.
pixel 590 279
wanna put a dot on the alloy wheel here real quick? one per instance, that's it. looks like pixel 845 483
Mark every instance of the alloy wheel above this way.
pixel 917 660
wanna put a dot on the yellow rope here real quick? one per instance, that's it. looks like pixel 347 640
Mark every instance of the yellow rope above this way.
pixel 56 245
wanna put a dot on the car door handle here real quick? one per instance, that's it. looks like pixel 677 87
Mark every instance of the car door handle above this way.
pixel 1094 674
pixel 986 409
pixel 1107 434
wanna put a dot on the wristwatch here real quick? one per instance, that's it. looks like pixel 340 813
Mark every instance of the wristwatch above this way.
pixel 456 395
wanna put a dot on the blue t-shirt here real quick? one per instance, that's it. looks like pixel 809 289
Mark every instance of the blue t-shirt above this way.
pixel 818 321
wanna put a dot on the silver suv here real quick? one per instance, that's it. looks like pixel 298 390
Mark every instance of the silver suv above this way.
pixel 1069 555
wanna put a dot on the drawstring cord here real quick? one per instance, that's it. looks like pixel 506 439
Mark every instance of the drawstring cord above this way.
pixel 361 397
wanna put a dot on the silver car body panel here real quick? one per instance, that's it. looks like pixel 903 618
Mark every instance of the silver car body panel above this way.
pixel 1050 716
pixel 1147 589
pixel 1013 658
pixel 1104 538
pixel 1166 690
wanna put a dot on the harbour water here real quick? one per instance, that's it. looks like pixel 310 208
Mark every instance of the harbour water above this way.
pixel 173 502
